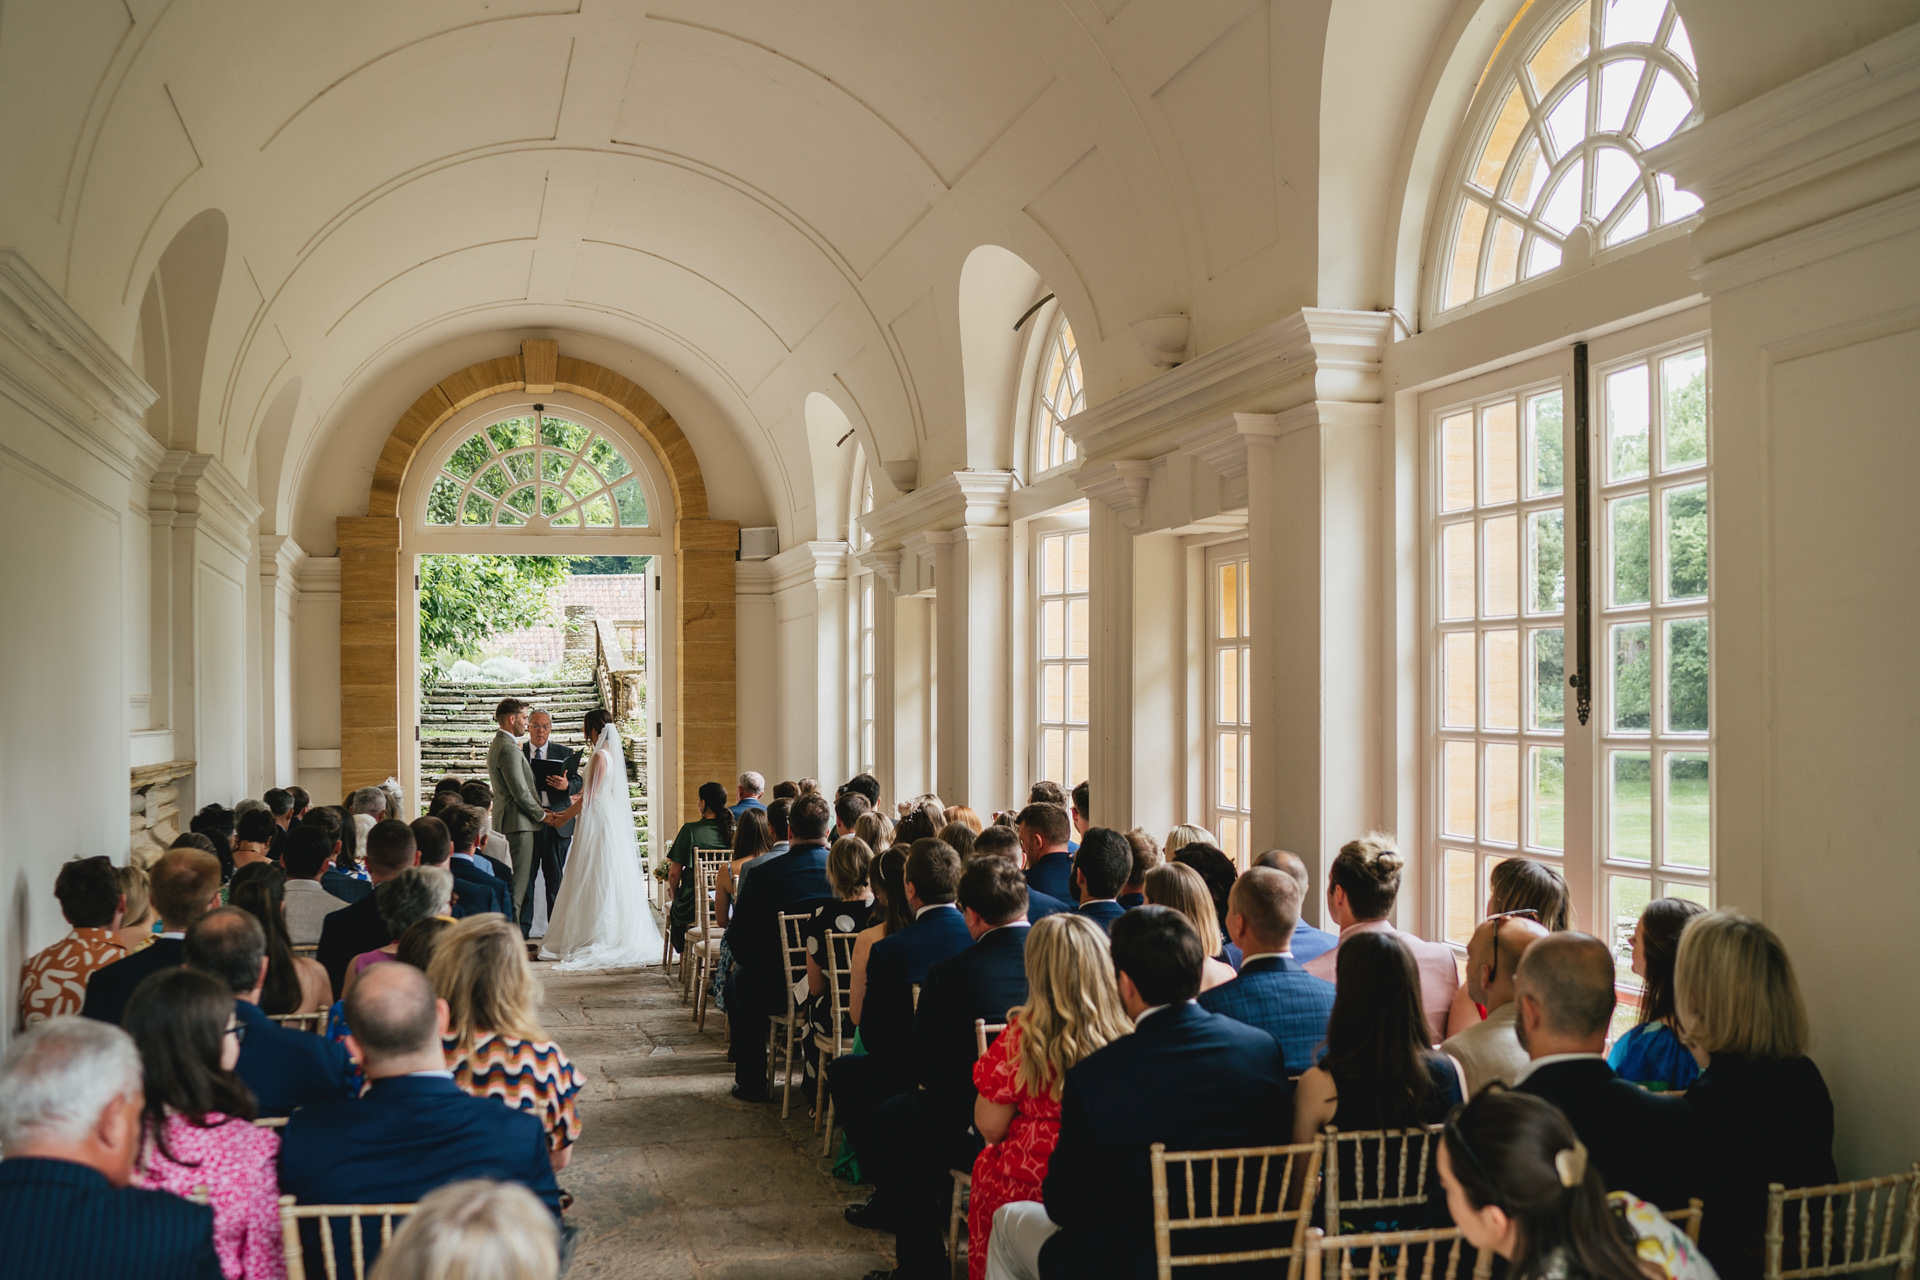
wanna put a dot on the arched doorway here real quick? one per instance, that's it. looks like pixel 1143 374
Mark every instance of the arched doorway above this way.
pixel 691 694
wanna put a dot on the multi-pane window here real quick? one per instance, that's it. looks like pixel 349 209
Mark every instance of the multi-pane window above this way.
pixel 1651 637
pixel 1503 493
pixel 1566 110
pixel 1061 689
pixel 1062 393
pixel 1230 700
pixel 863 623
pixel 537 472
pixel 1501 651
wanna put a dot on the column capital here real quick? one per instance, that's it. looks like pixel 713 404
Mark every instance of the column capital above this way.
pixel 806 563
pixel 1120 484
pixel 883 564
pixel 196 491
pixel 960 499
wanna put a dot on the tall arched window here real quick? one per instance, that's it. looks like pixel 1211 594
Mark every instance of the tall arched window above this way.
pixel 537 471
pixel 1061 393
pixel 1567 107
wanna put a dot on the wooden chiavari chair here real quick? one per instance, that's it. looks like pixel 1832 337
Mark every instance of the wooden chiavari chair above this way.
pixel 1390 1255
pixel 701 941
pixel 983 1034
pixel 314 1022
pixel 1865 1225
pixel 784 1031
pixel 1376 1169
pixel 351 1219
pixel 1233 1188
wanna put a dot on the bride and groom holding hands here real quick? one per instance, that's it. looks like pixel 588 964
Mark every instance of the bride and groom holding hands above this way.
pixel 598 916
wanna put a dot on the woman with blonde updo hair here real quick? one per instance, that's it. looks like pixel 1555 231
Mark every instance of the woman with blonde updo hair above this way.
pixel 1763 1109
pixel 1176 885
pixel 495 1045
pixel 1073 1008
pixel 876 828
pixel 1362 885
pixel 474 1230
pixel 1185 834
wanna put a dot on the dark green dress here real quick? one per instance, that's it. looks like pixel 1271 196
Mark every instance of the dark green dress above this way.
pixel 704 834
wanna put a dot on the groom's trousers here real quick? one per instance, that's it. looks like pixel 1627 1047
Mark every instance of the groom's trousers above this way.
pixel 521 842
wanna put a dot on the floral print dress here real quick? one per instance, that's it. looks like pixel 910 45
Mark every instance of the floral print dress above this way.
pixel 236 1162
pixel 1013 1168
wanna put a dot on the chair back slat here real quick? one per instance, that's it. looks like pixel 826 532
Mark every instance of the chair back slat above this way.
pixel 314 1022
pixel 840 983
pixel 1882 1233
pixel 983 1034
pixel 353 1217
pixel 1273 1202
pixel 1391 1253
pixel 793 943
pixel 1400 1166
pixel 1688 1219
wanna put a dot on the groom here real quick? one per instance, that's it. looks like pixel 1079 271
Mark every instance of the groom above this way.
pixel 550 843
pixel 517 811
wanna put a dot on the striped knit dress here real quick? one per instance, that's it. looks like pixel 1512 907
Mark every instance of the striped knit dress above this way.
pixel 532 1075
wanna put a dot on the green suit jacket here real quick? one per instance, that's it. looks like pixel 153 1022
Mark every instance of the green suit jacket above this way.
pixel 516 805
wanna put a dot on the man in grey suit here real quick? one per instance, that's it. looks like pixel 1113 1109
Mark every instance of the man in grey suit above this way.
pixel 517 811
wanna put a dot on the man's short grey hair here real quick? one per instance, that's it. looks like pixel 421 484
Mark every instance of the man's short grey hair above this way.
pixel 371 801
pixel 752 783
pixel 479 1229
pixel 241 808
pixel 541 715
pixel 60 1076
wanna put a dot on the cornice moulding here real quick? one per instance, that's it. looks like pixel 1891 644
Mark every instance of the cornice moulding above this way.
pixel 808 562
pixel 1316 353
pixel 960 498
pixel 318 575
pixel 1121 485
pixel 194 490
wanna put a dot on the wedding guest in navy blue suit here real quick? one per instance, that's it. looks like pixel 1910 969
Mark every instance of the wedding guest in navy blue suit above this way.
pixel 284 1068
pixel 1146 856
pixel 1045 836
pixel 1100 871
pixel 415 1129
pixel 70 1102
pixel 1097 1219
pixel 929 1132
pixel 185 885
pixel 1308 941
pixel 475 887
pixel 757 989
pixel 1272 992
pixel 862 1082
pixel 1002 841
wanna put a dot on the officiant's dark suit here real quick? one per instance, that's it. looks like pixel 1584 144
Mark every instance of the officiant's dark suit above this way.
pixel 550 844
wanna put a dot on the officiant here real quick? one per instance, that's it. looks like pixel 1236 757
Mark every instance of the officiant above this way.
pixel 556 772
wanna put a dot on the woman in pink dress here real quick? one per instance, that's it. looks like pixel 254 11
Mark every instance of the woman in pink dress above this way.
pixel 1073 1008
pixel 199 1132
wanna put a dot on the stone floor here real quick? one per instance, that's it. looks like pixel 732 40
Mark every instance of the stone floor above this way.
pixel 672 1177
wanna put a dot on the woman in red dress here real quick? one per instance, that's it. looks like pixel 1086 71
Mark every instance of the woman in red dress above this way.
pixel 1073 1008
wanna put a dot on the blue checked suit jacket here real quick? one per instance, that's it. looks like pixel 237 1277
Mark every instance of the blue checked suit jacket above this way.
pixel 1282 999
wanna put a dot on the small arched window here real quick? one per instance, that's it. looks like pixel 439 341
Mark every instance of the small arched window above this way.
pixel 537 471
pixel 1062 392
pixel 1566 110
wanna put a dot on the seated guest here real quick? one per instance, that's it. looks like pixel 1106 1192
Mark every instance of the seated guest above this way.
pixel 1100 871
pixel 959 837
pixel 305 852
pixel 830 935
pixel 53 984
pixel 295 984
pixel 1001 841
pixel 895 965
pixel 1379 1070
pixel 1072 1009
pixel 1097 1212
pixel 761 982
pixel 1490 1050
pixel 1516 886
pixel 1640 1142
pixel 214 823
pixel 1045 836
pixel 1185 834
pixel 1215 868
pixel 435 843
pixel 492 846
pixel 415 1129
pixel 876 828
pixel 414 895
pixel 139 918
pixel 185 885
pixel 474 1230
pixel 1082 814
pixel 966 817
pixel 749 786
pixel 253 838
pixel 198 1118
pixel 1650 1054
pixel 70 1131
pixel 339 878
pixel 1361 888
pixel 1146 856
pixel 1272 992
pixel 495 1045
pixel 1179 886
pixel 928 1131
pixel 1763 1109
pixel 847 808
pixel 1519 1183
pixel 713 829
pixel 889 916
pixel 279 802
pixel 752 838
pixel 358 929
pixel 476 887
pixel 284 1068
pixel 1308 941
pixel 867 785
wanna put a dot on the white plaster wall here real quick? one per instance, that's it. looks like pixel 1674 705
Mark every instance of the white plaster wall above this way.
pixel 220 691
pixel 316 679
pixel 757 690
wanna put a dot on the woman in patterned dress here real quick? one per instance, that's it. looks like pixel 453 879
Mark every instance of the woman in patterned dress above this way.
pixel 1518 1182
pixel 199 1133
pixel 495 1045
pixel 1073 1008
pixel 849 871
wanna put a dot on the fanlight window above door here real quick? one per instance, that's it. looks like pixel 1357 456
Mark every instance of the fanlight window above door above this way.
pixel 537 472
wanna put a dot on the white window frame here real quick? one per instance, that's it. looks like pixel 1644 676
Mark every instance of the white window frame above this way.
pixel 1231 823
pixel 1046 415
pixel 1066 526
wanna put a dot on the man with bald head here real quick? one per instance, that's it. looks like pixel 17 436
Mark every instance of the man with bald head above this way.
pixel 1272 992
pixel 1641 1142
pixel 1308 941
pixel 1491 1050
pixel 415 1129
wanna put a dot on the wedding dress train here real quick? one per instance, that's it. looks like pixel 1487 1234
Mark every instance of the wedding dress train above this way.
pixel 601 919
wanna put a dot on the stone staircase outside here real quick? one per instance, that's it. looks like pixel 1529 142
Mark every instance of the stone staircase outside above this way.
pixel 456 728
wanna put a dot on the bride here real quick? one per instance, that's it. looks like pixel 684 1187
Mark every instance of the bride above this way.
pixel 601 919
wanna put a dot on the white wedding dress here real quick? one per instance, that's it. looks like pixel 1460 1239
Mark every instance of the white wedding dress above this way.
pixel 601 919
